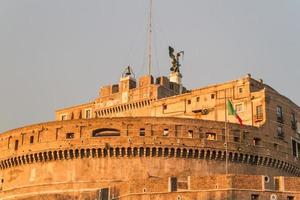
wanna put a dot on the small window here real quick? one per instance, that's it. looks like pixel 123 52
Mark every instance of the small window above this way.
pixel 275 146
pixel 172 184
pixel 211 136
pixel 259 113
pixel 166 132
pixel 276 184
pixel 165 107
pixel 189 101
pixel 104 194
pixel 254 197
pixel 256 141
pixel 63 117
pixel 294 148
pixel 290 197
pixel 70 135
pixel 16 145
pixel 279 114
pixel 240 89
pixel 280 133
pixel 212 96
pixel 31 139
pixel 190 133
pixel 198 99
pixel 87 114
pixel 142 132
pixel 236 139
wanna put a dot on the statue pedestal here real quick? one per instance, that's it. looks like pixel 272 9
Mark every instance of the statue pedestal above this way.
pixel 175 77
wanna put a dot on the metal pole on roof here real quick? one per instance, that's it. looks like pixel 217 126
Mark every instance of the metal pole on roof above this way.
pixel 150 40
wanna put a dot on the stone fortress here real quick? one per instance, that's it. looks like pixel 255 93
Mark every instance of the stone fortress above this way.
pixel 154 139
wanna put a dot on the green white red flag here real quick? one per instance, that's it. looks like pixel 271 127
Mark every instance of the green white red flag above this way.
pixel 232 111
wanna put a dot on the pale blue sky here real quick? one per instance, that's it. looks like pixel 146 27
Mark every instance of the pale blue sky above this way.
pixel 57 53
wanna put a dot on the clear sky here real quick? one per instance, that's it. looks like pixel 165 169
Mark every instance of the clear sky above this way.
pixel 57 53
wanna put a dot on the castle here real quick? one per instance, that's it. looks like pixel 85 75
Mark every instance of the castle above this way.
pixel 154 139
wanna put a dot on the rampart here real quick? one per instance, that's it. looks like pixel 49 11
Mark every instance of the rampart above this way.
pixel 77 156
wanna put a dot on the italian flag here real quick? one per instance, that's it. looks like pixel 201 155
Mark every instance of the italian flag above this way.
pixel 232 111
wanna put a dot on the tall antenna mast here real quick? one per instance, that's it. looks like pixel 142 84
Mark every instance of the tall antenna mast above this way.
pixel 150 40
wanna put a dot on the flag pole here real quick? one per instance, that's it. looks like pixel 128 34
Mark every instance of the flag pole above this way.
pixel 226 136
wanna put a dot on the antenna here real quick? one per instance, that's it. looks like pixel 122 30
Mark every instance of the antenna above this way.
pixel 150 40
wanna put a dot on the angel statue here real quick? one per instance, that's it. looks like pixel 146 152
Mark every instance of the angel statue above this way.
pixel 175 59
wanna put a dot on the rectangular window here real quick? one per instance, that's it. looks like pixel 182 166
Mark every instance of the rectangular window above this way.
pixel 240 89
pixel 212 96
pixel 279 114
pixel 254 197
pixel 142 132
pixel 31 139
pixel 104 194
pixel 16 145
pixel 259 113
pixel 294 148
pixel 70 135
pixel 87 114
pixel 166 132
pixel 198 99
pixel 63 117
pixel 190 133
pixel 189 101
pixel 236 139
pixel 256 141
pixel 172 184
pixel 280 133
pixel 211 136
pixel 165 107
pixel 277 184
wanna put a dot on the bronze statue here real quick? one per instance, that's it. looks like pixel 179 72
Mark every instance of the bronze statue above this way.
pixel 127 72
pixel 175 59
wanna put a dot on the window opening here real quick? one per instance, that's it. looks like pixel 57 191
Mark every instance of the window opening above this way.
pixel 87 114
pixel 70 135
pixel 279 114
pixel 190 133
pixel 142 132
pixel 166 132
pixel 256 141
pixel 211 136
pixel 31 139
pixel 16 145
pixel 63 117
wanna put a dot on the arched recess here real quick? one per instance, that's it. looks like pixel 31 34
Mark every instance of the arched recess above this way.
pixel 105 132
